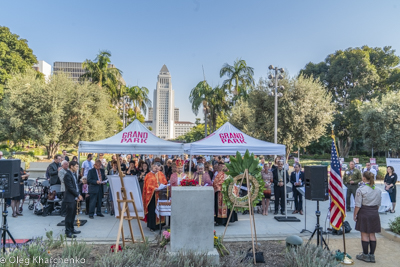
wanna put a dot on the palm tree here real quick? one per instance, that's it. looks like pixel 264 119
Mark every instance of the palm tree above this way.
pixel 201 95
pixel 239 77
pixel 101 73
pixel 213 101
pixel 140 99
pixel 217 105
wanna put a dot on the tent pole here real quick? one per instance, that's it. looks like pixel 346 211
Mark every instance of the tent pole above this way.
pixel 190 165
pixel 284 179
pixel 79 163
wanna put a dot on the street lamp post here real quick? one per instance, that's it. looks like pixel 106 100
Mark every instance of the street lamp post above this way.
pixel 276 94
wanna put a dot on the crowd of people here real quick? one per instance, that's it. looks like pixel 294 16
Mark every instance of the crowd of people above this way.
pixel 88 183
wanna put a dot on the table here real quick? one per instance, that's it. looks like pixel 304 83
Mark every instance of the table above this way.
pixel 163 208
pixel 385 199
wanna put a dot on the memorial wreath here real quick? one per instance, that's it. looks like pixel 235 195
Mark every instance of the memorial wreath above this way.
pixel 236 180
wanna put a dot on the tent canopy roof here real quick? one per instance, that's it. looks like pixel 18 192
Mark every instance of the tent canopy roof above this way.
pixel 136 139
pixel 228 139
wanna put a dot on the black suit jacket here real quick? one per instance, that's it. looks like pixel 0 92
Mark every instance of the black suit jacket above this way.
pixel 293 178
pixel 53 172
pixel 70 187
pixel 92 181
pixel 275 176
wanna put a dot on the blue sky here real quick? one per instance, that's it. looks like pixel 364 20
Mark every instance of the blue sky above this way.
pixel 184 35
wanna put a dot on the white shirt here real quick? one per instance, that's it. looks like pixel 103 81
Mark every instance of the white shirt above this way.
pixel 87 165
pixel 371 170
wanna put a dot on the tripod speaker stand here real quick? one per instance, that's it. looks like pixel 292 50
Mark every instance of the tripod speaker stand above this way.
pixel 4 226
pixel 318 229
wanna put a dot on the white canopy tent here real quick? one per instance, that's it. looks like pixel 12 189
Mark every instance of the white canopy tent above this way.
pixel 134 139
pixel 227 140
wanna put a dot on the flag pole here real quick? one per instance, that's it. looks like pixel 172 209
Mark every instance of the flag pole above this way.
pixel 346 260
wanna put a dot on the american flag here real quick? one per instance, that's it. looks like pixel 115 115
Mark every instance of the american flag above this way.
pixel 337 212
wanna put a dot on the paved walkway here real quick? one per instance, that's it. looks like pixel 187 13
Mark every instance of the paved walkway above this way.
pixel 105 229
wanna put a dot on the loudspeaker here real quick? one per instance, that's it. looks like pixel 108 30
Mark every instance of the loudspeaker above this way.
pixel 316 182
pixel 9 178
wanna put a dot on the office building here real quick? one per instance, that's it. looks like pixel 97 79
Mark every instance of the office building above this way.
pixel 164 116
pixel 43 67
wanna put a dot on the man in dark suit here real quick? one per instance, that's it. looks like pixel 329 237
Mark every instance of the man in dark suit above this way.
pixel 71 195
pixel 53 170
pixel 279 190
pixel 96 179
pixel 297 180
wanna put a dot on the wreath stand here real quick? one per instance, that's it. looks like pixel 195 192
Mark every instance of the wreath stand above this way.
pixel 125 209
pixel 251 211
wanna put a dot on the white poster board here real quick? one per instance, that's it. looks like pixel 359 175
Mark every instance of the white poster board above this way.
pixel 131 185
pixel 395 163
pixel 372 161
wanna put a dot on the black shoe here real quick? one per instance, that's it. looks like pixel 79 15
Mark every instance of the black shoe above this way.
pixel 100 215
pixel 275 213
pixel 283 213
pixel 349 210
pixel 112 213
pixel 71 236
pixel 91 217
pixel 76 232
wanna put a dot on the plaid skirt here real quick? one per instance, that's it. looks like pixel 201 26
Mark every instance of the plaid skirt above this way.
pixel 368 220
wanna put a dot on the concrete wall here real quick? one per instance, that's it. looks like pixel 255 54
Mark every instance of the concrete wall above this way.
pixel 192 218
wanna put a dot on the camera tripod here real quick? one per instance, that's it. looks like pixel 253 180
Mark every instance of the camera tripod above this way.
pixel 4 226
pixel 318 229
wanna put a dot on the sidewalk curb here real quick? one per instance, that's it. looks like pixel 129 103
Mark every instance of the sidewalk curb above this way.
pixel 390 235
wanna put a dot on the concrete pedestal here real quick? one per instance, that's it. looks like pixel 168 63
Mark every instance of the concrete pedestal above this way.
pixel 192 220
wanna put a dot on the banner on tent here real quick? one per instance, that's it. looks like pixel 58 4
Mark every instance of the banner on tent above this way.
pixel 134 137
pixel 232 138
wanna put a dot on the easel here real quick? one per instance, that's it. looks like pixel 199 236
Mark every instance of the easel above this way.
pixel 125 209
pixel 251 213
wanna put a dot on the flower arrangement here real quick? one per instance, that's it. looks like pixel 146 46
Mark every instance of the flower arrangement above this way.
pixel 189 182
pixel 219 246
pixel 166 237
pixel 113 247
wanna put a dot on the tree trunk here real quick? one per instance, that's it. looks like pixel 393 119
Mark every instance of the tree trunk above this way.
pixel 51 149
pixel 344 146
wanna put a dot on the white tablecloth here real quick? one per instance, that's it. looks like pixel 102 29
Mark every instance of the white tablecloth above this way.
pixel 163 210
pixel 385 199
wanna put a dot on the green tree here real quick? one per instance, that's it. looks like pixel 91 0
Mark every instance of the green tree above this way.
pixel 380 124
pixel 239 77
pixel 304 112
pixel 354 76
pixel 214 99
pixel 15 56
pixel 37 111
pixel 140 98
pixel 101 73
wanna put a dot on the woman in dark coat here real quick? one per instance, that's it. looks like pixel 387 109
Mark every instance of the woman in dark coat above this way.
pixel 390 186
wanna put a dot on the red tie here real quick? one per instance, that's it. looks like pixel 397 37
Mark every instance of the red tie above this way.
pixel 99 174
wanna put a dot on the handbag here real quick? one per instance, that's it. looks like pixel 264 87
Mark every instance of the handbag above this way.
pixel 51 195
pixel 259 256
pixel 347 229
pixel 390 190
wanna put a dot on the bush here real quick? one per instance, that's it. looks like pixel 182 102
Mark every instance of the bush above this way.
pixel 28 252
pixel 309 256
pixel 394 226
pixel 142 255
pixel 25 158
pixel 78 250
pixel 52 243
